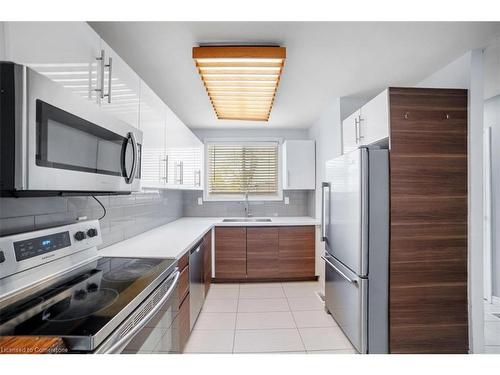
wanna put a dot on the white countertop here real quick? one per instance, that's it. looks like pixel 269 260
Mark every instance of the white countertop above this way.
pixel 172 240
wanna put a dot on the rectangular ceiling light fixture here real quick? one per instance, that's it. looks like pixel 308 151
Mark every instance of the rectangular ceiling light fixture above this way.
pixel 241 81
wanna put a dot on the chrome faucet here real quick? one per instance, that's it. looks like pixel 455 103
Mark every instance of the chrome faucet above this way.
pixel 247 208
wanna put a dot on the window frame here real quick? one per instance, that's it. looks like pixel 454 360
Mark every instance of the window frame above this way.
pixel 241 197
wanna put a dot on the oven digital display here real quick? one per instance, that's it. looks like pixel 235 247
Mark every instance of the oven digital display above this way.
pixel 33 247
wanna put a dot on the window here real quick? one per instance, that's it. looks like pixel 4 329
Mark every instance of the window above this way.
pixel 234 169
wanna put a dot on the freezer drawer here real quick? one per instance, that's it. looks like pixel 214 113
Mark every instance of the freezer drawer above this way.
pixel 346 297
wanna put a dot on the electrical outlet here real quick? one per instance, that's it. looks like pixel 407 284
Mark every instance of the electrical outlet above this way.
pixel 200 201
pixel 287 200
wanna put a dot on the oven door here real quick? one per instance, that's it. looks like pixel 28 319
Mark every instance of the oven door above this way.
pixel 151 328
pixel 73 146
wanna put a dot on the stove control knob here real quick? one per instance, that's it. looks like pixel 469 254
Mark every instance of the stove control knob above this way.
pixel 80 294
pixel 79 236
pixel 92 232
pixel 91 288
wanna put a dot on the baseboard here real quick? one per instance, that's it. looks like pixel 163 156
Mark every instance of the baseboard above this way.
pixel 264 280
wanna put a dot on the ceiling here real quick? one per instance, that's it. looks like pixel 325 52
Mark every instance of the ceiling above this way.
pixel 324 60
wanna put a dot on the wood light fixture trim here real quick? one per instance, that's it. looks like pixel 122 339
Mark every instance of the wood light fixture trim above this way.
pixel 241 81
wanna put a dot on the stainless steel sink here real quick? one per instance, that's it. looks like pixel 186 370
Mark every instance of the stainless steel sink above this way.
pixel 247 220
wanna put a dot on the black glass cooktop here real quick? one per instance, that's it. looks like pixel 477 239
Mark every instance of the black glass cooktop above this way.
pixel 84 301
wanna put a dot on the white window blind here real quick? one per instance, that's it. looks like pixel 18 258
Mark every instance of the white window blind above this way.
pixel 236 169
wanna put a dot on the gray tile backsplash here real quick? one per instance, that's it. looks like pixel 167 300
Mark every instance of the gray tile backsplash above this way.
pixel 299 206
pixel 127 215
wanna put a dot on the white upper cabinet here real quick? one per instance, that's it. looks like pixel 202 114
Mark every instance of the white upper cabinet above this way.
pixel 350 132
pixel 119 88
pixel 299 160
pixel 374 120
pixel 66 52
pixel 367 125
pixel 152 120
pixel 70 53
pixel 185 155
pixel 74 55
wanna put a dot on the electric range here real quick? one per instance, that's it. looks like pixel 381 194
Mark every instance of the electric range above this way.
pixel 53 283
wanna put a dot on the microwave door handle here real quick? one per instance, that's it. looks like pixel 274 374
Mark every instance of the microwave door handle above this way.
pixel 129 179
pixel 130 335
pixel 323 210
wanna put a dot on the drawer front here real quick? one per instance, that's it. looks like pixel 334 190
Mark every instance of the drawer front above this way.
pixel 183 261
pixel 297 241
pixel 207 260
pixel 183 324
pixel 183 284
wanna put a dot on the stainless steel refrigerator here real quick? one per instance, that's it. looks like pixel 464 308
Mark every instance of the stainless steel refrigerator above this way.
pixel 355 229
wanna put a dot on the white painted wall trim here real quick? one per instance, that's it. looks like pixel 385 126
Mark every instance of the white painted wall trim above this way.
pixel 487 245
pixel 476 216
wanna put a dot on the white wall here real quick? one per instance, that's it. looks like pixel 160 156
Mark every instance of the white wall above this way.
pixel 327 133
pixel 350 105
pixel 476 208
pixel 492 119
pixel 251 133
pixel 3 52
pixel 492 70
pixel 455 75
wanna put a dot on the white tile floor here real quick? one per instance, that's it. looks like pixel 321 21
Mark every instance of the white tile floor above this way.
pixel 491 328
pixel 266 318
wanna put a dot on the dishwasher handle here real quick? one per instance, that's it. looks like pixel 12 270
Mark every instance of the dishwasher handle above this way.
pixel 196 248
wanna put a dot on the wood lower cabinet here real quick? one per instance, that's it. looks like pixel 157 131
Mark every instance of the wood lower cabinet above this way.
pixel 207 260
pixel 262 252
pixel 183 323
pixel 183 285
pixel 230 252
pixel 296 251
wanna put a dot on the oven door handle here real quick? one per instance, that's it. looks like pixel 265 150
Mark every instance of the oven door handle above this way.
pixel 130 334
pixel 129 179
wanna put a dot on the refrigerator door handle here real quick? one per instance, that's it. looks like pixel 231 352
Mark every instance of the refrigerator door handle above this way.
pixel 323 210
pixel 347 278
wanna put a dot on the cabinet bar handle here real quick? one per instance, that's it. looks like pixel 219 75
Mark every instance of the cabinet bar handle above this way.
pixel 361 136
pixel 356 123
pixel 100 88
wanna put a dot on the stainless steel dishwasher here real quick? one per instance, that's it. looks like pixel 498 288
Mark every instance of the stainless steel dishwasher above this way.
pixel 196 283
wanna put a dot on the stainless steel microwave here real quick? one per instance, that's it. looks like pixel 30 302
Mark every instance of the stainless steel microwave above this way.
pixel 54 142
